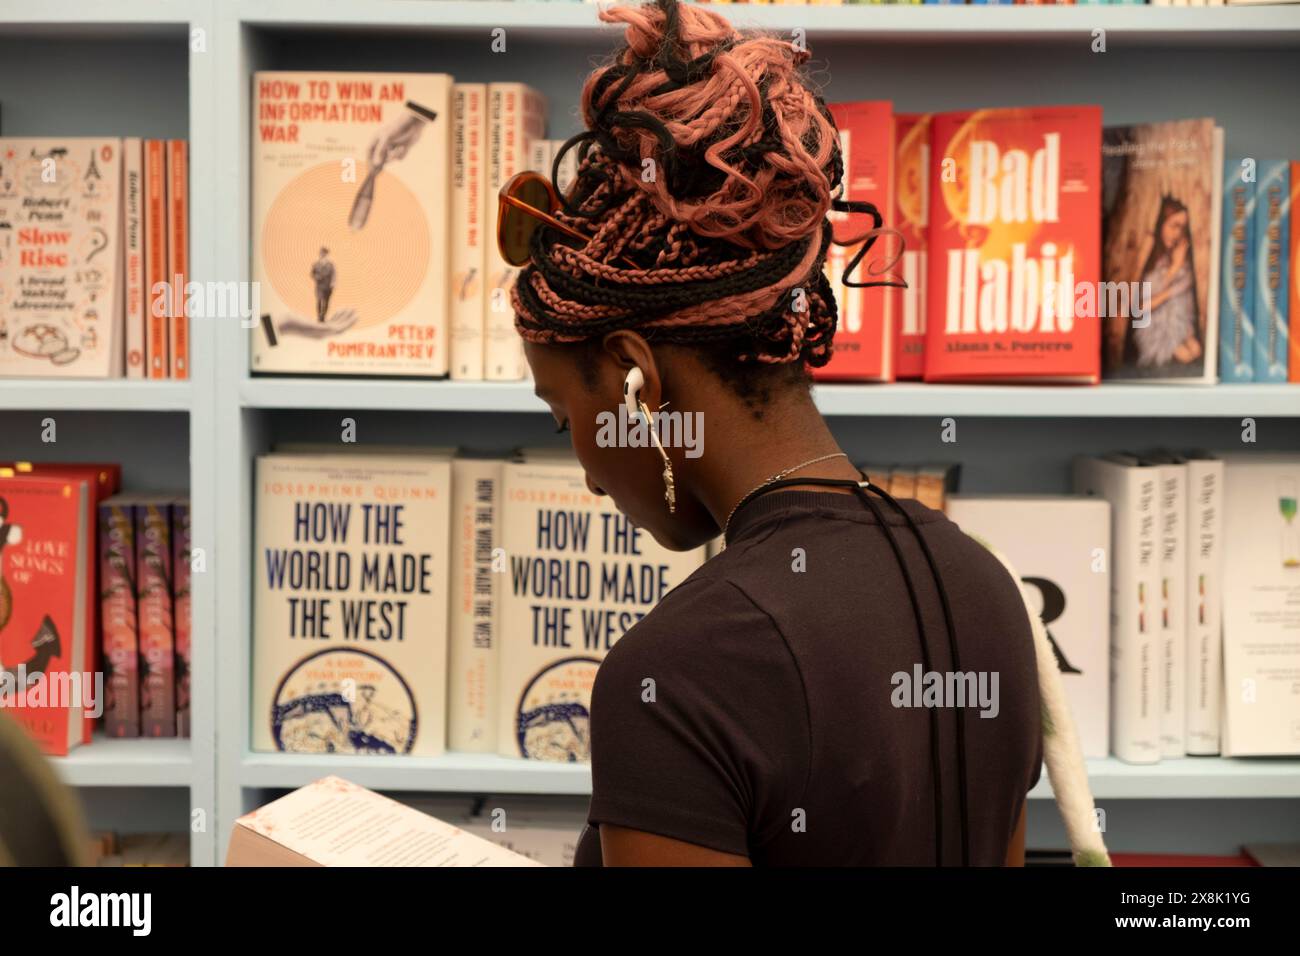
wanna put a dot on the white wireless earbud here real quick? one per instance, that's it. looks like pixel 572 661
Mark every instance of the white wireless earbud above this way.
pixel 631 389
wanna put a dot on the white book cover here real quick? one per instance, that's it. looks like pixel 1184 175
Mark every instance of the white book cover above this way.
pixel 351 225
pixel 516 117
pixel 579 575
pixel 133 235
pixel 1172 598
pixel 1132 491
pixel 469 237
pixel 1068 571
pixel 350 603
pixel 61 285
pixel 1204 602
pixel 1261 606
pixel 474 654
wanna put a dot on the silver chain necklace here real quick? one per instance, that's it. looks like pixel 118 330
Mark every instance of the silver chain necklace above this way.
pixel 777 477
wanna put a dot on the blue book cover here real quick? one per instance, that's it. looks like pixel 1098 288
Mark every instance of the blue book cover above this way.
pixel 1236 301
pixel 1272 231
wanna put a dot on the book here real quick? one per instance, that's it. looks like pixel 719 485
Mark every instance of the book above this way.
pixel 474 651
pixel 516 117
pixel 1270 277
pixel 1067 575
pixel 1013 245
pixel 178 258
pixel 1237 301
pixel 133 251
pixel 1172 597
pixel 1161 206
pixel 44 560
pixel 580 574
pixel 1132 492
pixel 469 238
pixel 1204 653
pixel 157 284
pixel 121 648
pixel 911 218
pixel 182 574
pixel 154 612
pixel 350 604
pixel 864 337
pixel 61 288
pixel 333 822
pixel 1293 271
pixel 1261 590
pixel 350 222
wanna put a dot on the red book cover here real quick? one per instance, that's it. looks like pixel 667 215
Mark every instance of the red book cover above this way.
pixel 864 338
pixel 181 569
pixel 178 256
pixel 911 214
pixel 119 635
pixel 155 258
pixel 1014 246
pixel 43 614
pixel 103 479
pixel 153 564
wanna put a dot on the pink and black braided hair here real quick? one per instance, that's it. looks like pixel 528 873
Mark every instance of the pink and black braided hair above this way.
pixel 726 224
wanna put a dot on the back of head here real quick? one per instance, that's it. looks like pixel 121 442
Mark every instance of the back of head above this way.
pixel 40 821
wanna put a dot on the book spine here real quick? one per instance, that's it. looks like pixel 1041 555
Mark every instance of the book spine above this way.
pixel 1236 305
pixel 182 568
pixel 1204 656
pixel 474 651
pixel 133 234
pixel 154 610
pixel 1272 224
pixel 178 257
pixel 157 302
pixel 1173 609
pixel 469 131
pixel 118 628
pixel 1293 270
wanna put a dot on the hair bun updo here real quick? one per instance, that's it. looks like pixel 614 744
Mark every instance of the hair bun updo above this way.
pixel 704 180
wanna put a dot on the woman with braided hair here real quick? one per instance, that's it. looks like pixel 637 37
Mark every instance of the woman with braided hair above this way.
pixel 757 715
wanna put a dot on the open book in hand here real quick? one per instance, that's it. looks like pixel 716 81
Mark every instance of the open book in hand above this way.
pixel 333 822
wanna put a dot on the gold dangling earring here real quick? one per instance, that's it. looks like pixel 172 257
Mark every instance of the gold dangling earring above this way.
pixel 670 488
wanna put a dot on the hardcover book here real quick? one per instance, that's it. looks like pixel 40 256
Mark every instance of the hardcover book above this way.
pixel 579 576
pixel 1293 272
pixel 178 258
pixel 1237 301
pixel 1014 245
pixel 61 288
pixel 1068 573
pixel 1272 235
pixel 157 281
pixel 119 627
pixel 182 568
pixel 154 612
pixel 1204 655
pixel 350 604
pixel 1161 205
pixel 133 237
pixel 864 337
pixel 470 239
pixel 351 226
pixel 1172 598
pixel 911 218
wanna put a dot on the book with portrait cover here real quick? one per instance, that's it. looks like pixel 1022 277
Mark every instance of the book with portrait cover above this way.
pixel 351 222
pixel 350 603
pixel 1272 235
pixel 1237 298
pixel 45 558
pixel 911 217
pixel 579 575
pixel 469 238
pixel 1014 244
pixel 156 617
pixel 1161 205
pixel 864 337
pixel 61 286
pixel 119 630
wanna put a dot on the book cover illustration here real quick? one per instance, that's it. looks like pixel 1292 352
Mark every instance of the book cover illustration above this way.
pixel 351 226
pixel 351 604
pixel 911 216
pixel 1237 290
pixel 117 587
pixel 182 579
pixel 1014 238
pixel 1160 202
pixel 1272 227
pixel 61 289
pixel 153 562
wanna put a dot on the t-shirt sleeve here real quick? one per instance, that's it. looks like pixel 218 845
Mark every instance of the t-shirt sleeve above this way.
pixel 699 728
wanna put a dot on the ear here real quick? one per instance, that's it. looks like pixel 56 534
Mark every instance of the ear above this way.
pixel 628 350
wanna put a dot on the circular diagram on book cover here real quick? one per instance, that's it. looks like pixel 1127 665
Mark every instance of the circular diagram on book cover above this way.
pixel 554 713
pixel 312 255
pixel 343 701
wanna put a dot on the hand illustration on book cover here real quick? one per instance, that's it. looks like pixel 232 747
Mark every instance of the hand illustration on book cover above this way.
pixel 392 144
pixel 1286 499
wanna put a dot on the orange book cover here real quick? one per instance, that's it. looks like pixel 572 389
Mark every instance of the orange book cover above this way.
pixel 1014 246
pixel 43 613
pixel 911 214
pixel 178 256
pixel 864 337
pixel 1293 367
pixel 133 232
pixel 155 257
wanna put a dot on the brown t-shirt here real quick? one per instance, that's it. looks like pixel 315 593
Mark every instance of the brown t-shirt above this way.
pixel 773 731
